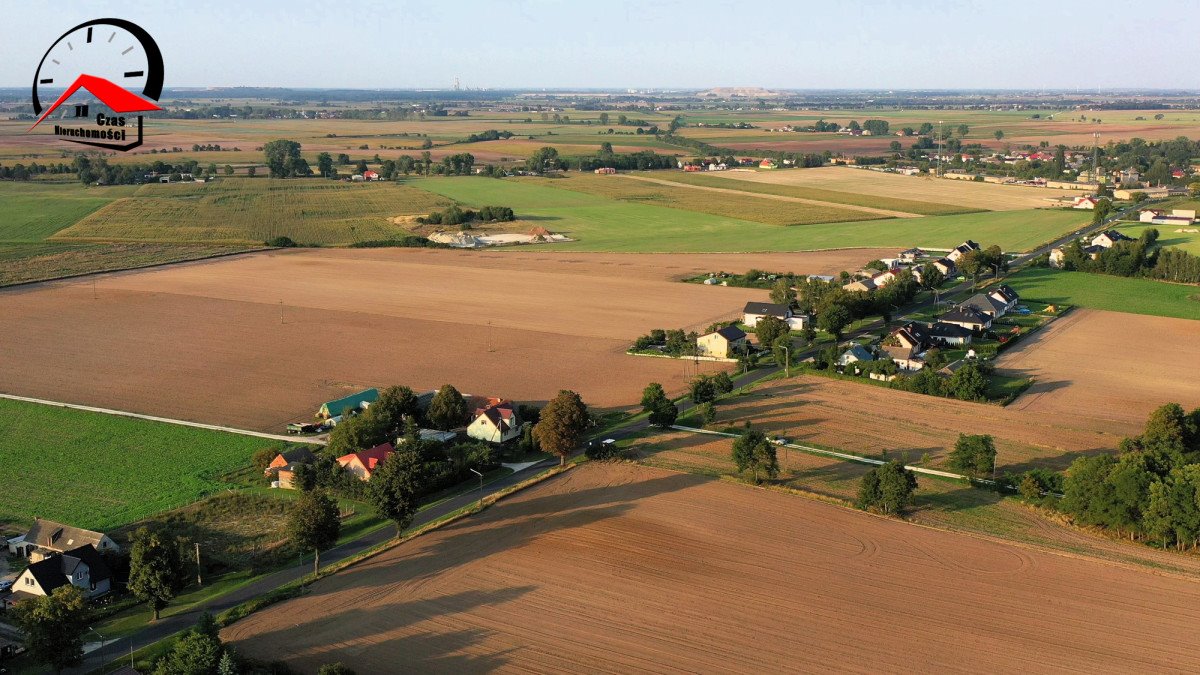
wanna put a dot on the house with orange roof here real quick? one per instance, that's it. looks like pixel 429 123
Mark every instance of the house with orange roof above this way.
pixel 495 422
pixel 364 463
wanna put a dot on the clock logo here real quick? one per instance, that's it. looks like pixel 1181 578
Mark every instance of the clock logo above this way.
pixel 118 63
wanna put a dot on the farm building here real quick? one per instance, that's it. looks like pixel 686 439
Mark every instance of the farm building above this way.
pixel 82 566
pixel 721 342
pixel 1151 193
pixel 49 537
pixel 363 464
pixel 282 469
pixel 753 311
pixel 370 175
pixel 766 164
pixel 495 422
pixel 354 403
pixel 1175 217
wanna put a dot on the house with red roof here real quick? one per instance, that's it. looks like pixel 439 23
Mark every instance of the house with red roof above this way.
pixel 495 422
pixel 364 463
pixel 370 175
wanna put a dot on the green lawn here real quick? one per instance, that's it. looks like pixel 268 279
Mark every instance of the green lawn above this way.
pixel 34 211
pixel 1098 291
pixel 101 471
pixel 1168 237
pixel 602 224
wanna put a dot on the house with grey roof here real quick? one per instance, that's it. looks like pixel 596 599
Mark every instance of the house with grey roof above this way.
pixel 49 537
pixel 82 567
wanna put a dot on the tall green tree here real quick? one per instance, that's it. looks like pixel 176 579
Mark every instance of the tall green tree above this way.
pixel 354 433
pixel 782 292
pixel 195 653
pixel 394 406
pixel 448 410
pixel 974 455
pixel 663 411
pixel 887 488
pixel 325 164
pixel 395 487
pixel 752 451
pixel 561 427
pixel 53 626
pixel 281 156
pixel 314 524
pixel 768 329
pixel 156 572
pixel 653 393
pixel 834 319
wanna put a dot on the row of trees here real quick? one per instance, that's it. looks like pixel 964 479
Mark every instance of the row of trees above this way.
pixel 455 215
pixel 672 342
pixel 1142 257
pixel 1150 489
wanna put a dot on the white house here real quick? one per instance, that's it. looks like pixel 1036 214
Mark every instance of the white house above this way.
pixel 854 355
pixel 950 334
pixel 1108 238
pixel 1088 203
pixel 496 422
pixel 962 249
pixel 967 317
pixel 1006 295
pixel 754 311
pixel 82 567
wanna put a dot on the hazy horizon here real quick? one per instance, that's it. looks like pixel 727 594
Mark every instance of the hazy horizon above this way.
pixel 536 44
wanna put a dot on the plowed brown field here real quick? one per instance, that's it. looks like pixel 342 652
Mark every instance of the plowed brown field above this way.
pixel 205 342
pixel 1108 366
pixel 869 420
pixel 618 568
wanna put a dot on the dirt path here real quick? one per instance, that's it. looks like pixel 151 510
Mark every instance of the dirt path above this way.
pixel 782 198
pixel 620 568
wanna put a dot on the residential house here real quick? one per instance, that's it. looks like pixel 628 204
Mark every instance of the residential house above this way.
pixel 1128 177
pixel 986 304
pixel 282 469
pixel 910 255
pixel 1056 256
pixel 1088 203
pixel 722 342
pixel 49 537
pixel 766 164
pixel 967 317
pixel 962 249
pixel 855 354
pixel 496 422
pixel 907 344
pixel 884 278
pixel 754 311
pixel 354 402
pixel 363 464
pixel 1108 238
pixel 1005 294
pixel 370 175
pixel 946 266
pixel 946 334
pixel 82 567
pixel 862 285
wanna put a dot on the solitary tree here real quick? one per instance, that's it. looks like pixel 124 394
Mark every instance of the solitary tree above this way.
pixel 282 157
pixel 325 164
pixel 999 135
pixel 448 409
pixel 395 486
pixel 702 389
pixel 53 626
pixel 834 320
pixel 313 524
pixel 155 569
pixel 974 455
pixel 652 394
pixel 887 488
pixel 662 410
pixel 753 452
pixel 561 427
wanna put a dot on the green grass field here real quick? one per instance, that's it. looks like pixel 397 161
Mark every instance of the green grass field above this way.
pixel 101 471
pixel 1168 237
pixel 250 211
pixel 602 224
pixel 1117 294
pixel 36 210
pixel 835 196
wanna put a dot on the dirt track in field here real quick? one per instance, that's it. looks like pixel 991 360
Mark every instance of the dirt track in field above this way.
pixel 782 198
pixel 205 342
pixel 618 568
pixel 1109 366
pixel 921 188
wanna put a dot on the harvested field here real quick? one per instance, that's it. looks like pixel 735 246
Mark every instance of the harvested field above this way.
pixel 867 420
pixel 961 193
pixel 1087 365
pixel 618 568
pixel 205 342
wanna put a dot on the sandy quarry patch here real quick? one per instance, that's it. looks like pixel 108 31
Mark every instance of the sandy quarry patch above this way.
pixel 1108 366
pixel 205 341
pixel 618 568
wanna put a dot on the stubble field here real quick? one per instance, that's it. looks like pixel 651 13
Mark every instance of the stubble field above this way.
pixel 617 568
pixel 1108 366
pixel 207 342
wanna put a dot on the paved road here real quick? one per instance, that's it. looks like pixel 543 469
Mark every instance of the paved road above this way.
pixel 167 420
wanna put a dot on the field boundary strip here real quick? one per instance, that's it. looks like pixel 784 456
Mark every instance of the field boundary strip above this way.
pixel 165 420
pixel 846 456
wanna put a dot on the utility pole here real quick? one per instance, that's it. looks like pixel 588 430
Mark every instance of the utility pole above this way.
pixel 480 486
pixel 787 361
pixel 199 580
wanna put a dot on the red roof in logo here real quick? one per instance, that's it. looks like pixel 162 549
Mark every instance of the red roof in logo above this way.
pixel 118 99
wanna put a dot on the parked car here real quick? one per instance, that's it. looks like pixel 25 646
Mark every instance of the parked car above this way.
pixel 6 585
pixel 779 440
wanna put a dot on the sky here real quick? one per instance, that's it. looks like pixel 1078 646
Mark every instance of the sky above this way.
pixel 827 44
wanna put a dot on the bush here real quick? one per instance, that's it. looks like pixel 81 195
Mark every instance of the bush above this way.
pixel 407 241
